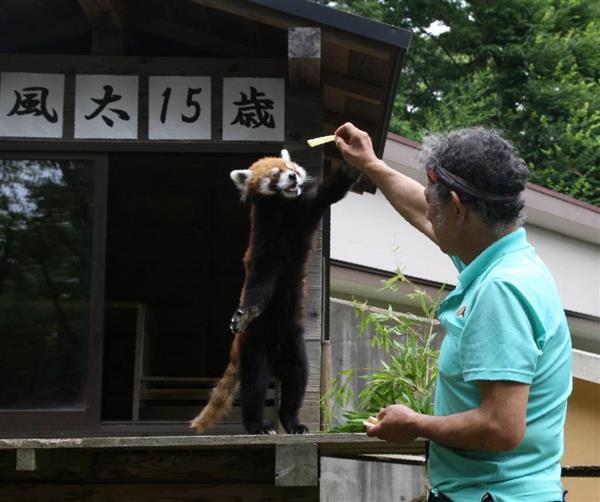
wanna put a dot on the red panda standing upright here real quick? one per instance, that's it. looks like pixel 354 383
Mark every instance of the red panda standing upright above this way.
pixel 286 210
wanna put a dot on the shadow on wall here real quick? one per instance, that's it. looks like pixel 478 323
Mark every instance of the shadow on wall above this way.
pixel 358 480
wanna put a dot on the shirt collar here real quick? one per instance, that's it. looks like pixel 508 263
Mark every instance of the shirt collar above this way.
pixel 510 242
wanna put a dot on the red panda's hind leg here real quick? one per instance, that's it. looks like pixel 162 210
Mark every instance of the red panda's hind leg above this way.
pixel 293 377
pixel 254 381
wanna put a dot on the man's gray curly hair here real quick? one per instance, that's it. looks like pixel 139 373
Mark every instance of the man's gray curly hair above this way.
pixel 486 160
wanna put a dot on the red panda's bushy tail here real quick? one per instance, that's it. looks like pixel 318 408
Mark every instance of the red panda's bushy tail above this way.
pixel 223 394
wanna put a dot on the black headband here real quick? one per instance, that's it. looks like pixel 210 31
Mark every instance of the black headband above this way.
pixel 456 183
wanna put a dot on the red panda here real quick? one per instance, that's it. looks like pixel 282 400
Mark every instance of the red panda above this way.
pixel 286 207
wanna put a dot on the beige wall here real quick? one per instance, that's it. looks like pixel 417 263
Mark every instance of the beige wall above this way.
pixel 575 265
pixel 582 440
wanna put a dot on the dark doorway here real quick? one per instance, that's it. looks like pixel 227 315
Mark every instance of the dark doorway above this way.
pixel 176 234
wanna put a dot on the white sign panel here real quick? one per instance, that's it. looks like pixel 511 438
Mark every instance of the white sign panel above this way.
pixel 106 106
pixel 179 108
pixel 32 105
pixel 253 109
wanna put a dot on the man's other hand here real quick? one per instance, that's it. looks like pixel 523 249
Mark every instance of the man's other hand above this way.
pixel 397 423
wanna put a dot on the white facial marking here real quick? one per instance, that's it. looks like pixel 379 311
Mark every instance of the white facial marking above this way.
pixel 301 172
pixel 240 178
pixel 294 180
pixel 265 187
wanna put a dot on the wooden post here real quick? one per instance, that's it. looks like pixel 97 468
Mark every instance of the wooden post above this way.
pixel 304 72
pixel 325 374
pixel 26 460
pixel 304 57
pixel 106 19
pixel 296 465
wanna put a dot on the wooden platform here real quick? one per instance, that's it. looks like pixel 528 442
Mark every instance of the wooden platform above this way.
pixel 278 467
pixel 328 444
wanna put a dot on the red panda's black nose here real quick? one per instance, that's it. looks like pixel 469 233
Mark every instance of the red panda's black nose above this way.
pixel 292 176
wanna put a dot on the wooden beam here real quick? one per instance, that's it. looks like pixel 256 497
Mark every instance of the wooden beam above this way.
pixel 109 42
pixel 390 458
pixel 135 65
pixel 337 119
pixel 35 36
pixel 297 465
pixel 192 38
pixel 325 376
pixel 329 444
pixel 304 57
pixel 103 14
pixel 26 460
pixel 106 17
pixel 151 491
pixel 359 89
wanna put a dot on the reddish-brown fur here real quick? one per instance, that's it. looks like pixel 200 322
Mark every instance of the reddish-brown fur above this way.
pixel 268 322
pixel 262 168
pixel 223 394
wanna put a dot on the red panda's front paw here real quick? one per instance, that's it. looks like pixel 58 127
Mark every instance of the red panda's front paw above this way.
pixel 241 318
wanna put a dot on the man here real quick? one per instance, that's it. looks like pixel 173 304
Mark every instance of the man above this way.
pixel 505 362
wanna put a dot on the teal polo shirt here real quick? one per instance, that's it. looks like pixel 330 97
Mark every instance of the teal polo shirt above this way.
pixel 504 321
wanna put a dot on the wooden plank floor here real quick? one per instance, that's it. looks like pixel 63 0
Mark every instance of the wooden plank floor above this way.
pixel 328 444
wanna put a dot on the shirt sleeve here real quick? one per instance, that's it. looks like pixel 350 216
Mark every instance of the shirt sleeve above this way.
pixel 497 342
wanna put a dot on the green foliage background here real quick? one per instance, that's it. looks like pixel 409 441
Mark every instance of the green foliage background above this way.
pixel 530 68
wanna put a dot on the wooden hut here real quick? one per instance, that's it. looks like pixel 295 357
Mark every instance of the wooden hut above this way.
pixel 121 235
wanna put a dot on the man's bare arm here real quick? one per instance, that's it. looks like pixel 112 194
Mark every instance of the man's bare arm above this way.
pixel 497 425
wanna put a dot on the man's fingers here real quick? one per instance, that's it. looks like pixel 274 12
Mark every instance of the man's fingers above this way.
pixel 372 430
pixel 347 133
pixel 382 413
pixel 372 426
pixel 345 129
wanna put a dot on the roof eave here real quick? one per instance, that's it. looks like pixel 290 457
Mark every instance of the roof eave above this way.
pixel 340 20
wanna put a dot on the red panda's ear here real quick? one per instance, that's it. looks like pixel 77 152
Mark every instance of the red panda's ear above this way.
pixel 240 178
pixel 285 155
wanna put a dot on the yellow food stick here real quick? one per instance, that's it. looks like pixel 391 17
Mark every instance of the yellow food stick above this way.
pixel 370 421
pixel 319 141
